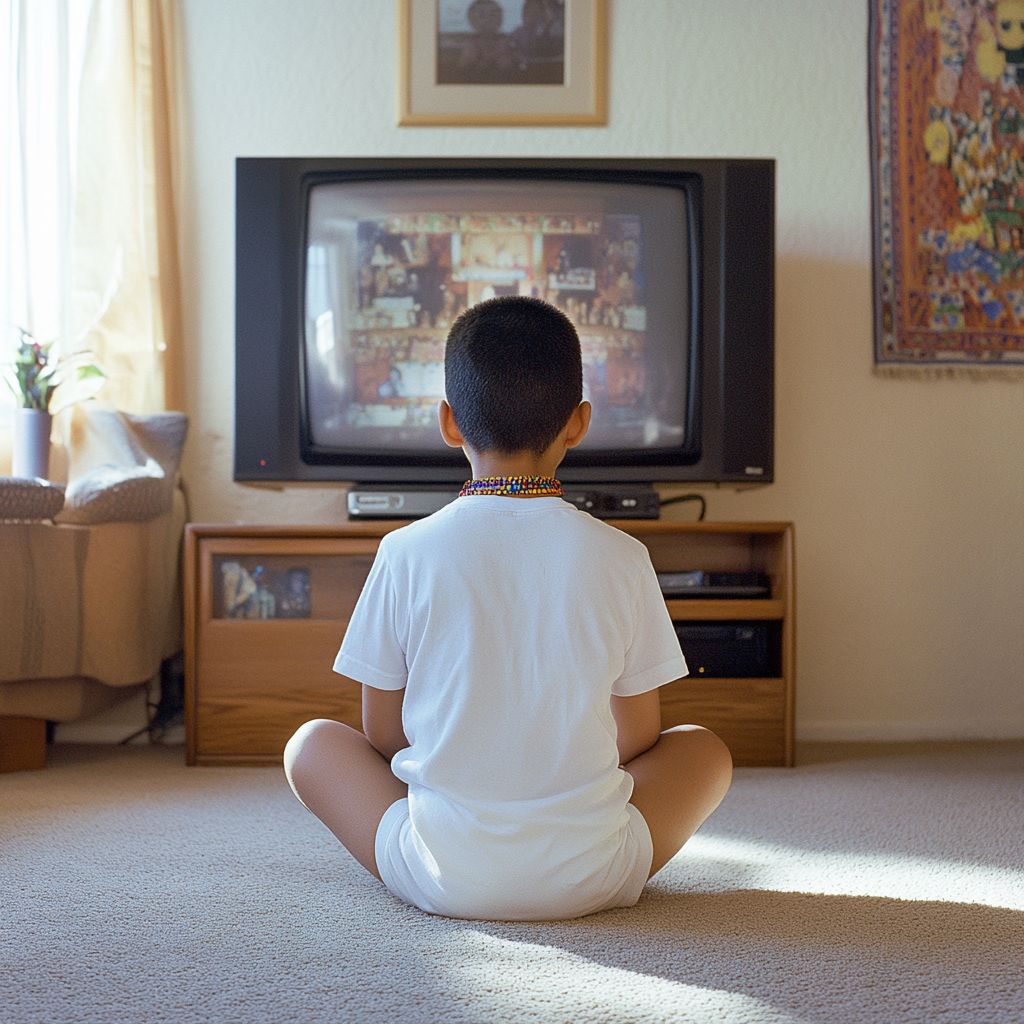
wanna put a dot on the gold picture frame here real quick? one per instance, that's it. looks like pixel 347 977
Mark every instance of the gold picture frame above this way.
pixel 456 68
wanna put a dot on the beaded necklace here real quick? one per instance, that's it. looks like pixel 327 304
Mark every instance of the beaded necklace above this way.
pixel 514 486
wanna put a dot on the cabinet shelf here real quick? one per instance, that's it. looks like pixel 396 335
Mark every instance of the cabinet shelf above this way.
pixel 712 609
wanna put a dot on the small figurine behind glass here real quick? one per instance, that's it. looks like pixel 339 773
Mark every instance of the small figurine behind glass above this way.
pixel 294 600
pixel 246 596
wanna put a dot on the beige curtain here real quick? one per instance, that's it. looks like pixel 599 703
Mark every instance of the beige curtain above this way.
pixel 126 275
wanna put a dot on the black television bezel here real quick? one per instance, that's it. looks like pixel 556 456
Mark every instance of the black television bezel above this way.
pixel 732 404
pixel 689 184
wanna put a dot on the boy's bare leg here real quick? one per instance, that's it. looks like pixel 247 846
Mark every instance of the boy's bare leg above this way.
pixel 342 779
pixel 677 784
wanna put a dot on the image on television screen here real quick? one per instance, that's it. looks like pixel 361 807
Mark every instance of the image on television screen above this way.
pixel 390 265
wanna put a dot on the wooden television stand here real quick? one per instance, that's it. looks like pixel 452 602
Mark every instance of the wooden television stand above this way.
pixel 250 683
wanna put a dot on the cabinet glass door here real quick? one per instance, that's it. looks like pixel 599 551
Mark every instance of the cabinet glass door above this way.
pixel 300 586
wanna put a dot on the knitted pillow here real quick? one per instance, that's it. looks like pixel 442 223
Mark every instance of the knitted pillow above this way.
pixel 29 499
pixel 123 467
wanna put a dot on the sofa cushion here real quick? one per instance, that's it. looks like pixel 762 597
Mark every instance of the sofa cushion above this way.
pixel 123 467
pixel 101 601
pixel 29 499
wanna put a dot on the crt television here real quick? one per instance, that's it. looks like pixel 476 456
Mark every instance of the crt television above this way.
pixel 349 273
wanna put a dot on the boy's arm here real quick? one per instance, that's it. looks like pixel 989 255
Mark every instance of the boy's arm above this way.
pixel 382 720
pixel 639 723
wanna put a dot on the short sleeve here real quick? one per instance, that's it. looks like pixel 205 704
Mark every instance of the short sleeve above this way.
pixel 654 657
pixel 372 651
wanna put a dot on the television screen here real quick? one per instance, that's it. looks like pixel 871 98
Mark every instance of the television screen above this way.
pixel 391 263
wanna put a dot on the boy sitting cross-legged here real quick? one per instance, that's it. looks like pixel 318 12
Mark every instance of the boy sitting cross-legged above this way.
pixel 510 650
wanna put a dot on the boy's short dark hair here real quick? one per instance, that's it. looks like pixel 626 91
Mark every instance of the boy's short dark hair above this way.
pixel 513 374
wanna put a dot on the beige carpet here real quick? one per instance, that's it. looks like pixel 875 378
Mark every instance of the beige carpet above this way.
pixel 873 884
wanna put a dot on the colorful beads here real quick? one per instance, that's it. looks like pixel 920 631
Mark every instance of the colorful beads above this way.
pixel 514 486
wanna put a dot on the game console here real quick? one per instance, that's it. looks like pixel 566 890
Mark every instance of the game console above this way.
pixel 731 650
pixel 714 584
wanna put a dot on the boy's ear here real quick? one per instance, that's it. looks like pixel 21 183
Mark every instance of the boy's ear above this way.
pixel 578 425
pixel 449 429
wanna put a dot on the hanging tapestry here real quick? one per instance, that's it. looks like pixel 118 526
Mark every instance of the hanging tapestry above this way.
pixel 947 147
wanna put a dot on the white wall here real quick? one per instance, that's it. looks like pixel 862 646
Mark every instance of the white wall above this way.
pixel 908 496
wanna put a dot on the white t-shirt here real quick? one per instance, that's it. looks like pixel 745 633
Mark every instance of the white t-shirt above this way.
pixel 510 622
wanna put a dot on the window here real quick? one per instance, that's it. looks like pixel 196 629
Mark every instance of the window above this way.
pixel 41 56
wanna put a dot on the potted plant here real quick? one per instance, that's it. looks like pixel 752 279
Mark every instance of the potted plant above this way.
pixel 37 376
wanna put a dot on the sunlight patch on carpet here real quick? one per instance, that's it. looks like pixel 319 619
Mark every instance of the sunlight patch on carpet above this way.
pixel 550 983
pixel 727 863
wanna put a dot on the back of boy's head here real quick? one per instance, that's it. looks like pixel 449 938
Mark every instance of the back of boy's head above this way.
pixel 513 374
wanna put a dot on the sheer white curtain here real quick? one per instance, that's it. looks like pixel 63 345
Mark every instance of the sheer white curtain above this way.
pixel 88 241
pixel 41 57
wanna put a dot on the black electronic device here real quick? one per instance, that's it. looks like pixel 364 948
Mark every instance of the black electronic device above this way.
pixel 626 501
pixel 409 501
pixel 731 650
pixel 350 270
pixel 714 584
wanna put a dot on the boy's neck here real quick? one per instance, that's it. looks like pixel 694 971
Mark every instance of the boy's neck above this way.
pixel 487 464
pixel 523 463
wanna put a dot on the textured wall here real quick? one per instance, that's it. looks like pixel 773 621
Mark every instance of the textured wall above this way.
pixel 908 496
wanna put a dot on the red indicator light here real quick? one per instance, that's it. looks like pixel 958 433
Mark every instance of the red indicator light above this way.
pixel 263 462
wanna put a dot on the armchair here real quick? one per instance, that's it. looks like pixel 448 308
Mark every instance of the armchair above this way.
pixel 90 601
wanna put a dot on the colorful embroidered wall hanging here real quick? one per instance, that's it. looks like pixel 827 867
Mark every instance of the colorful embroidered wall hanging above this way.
pixel 947 137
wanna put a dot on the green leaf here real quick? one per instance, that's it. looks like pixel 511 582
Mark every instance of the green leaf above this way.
pixel 37 376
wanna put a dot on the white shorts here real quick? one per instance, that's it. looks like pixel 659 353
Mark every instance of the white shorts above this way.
pixel 390 850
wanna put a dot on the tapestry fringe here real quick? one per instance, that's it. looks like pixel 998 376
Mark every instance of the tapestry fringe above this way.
pixel 903 371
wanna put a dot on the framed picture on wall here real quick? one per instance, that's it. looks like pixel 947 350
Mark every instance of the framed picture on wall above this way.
pixel 502 62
